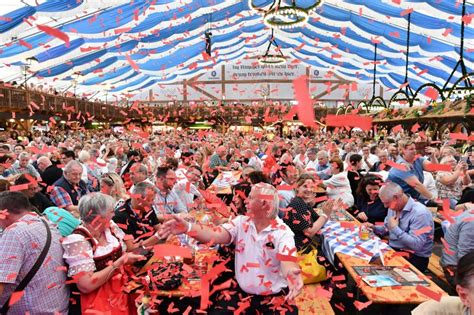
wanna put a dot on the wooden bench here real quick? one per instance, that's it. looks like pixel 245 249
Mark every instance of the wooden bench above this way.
pixel 435 267
pixel 310 302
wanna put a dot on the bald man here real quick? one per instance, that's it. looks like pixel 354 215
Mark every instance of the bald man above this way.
pixel 49 172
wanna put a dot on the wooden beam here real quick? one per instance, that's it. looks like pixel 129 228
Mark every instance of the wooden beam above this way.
pixel 332 89
pixel 204 92
pixel 222 80
pixel 251 81
pixel 240 100
pixel 308 77
pixel 185 90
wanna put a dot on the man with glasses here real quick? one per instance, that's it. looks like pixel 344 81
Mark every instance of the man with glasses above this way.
pixel 187 189
pixel 167 201
pixel 69 188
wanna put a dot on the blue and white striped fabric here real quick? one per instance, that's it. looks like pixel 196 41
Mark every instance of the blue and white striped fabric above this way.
pixel 165 39
pixel 338 239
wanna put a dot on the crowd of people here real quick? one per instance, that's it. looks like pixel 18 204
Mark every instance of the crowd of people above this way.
pixel 99 200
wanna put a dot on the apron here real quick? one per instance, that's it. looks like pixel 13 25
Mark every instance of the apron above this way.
pixel 109 298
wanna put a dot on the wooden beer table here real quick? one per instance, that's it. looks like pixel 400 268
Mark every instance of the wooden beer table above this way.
pixel 391 294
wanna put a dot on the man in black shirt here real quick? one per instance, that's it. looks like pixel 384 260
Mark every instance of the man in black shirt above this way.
pixel 49 172
pixel 32 191
pixel 137 218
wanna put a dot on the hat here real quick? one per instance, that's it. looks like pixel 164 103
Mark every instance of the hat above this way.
pixel 65 221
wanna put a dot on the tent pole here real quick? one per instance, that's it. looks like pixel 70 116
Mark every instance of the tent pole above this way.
pixel 407 87
pixel 375 71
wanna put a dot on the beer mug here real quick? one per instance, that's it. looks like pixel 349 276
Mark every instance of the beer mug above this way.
pixel 364 233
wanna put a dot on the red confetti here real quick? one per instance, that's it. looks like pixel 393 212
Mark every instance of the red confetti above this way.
pixel 431 167
pixel 429 293
pixel 360 305
pixel 15 297
pixel 132 63
pixel 423 230
pixel 54 32
pixel 305 103
pixel 364 123
pixel 432 93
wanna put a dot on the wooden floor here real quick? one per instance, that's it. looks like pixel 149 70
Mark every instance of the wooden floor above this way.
pixel 311 302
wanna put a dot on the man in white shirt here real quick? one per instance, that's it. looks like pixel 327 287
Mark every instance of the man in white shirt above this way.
pixel 253 160
pixel 187 189
pixel 312 163
pixel 289 175
pixel 368 159
pixel 430 184
pixel 267 274
pixel 167 201
pixel 301 159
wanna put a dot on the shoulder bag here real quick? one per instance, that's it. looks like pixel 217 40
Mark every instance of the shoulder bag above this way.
pixel 33 270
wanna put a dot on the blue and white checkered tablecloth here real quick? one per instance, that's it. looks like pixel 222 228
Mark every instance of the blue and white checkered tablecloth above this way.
pixel 339 239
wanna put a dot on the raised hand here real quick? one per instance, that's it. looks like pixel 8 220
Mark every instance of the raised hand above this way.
pixel 362 216
pixel 177 225
pixel 130 258
pixel 328 207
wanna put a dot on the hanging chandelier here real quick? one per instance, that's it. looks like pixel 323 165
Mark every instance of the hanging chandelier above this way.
pixel 284 16
pixel 272 58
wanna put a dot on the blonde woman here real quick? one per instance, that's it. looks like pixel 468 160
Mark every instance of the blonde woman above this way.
pixel 111 184
pixel 450 184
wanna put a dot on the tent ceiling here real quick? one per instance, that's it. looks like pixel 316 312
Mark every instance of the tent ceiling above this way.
pixel 123 45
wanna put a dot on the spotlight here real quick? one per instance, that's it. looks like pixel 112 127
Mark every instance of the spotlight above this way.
pixel 208 35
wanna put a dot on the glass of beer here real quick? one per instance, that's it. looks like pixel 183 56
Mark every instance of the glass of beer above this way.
pixel 364 233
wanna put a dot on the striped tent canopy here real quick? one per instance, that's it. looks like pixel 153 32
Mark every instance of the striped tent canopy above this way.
pixel 130 45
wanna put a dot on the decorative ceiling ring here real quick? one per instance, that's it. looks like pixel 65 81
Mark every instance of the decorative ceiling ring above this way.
pixel 285 16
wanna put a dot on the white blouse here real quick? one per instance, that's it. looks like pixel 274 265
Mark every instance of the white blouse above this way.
pixel 338 186
pixel 78 252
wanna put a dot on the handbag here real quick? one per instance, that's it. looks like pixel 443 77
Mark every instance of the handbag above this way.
pixel 311 270
pixel 29 276
pixel 166 276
